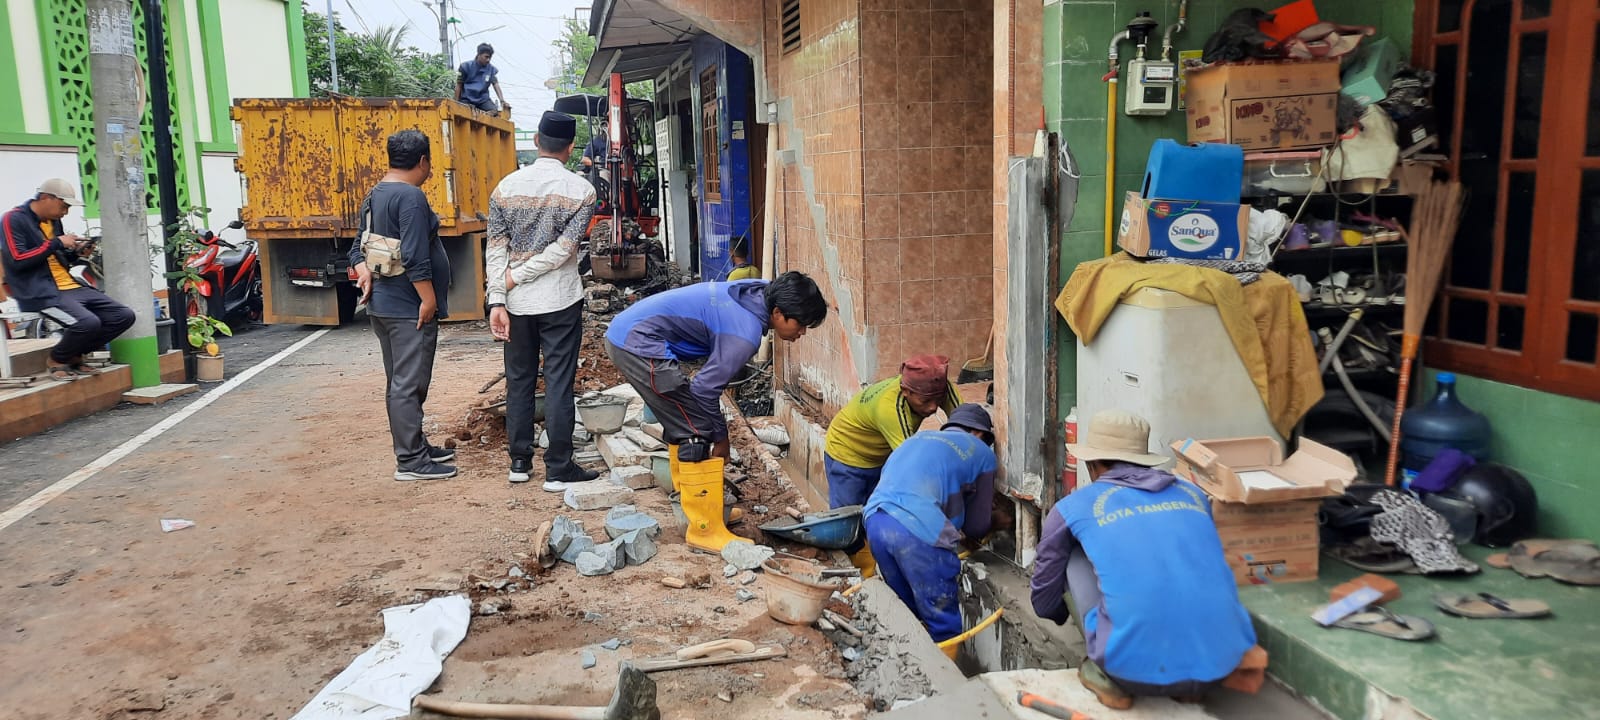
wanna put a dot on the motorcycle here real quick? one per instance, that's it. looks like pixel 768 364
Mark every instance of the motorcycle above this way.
pixel 231 281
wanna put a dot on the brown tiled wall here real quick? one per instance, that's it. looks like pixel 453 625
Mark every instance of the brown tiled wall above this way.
pixel 927 133
pixel 737 22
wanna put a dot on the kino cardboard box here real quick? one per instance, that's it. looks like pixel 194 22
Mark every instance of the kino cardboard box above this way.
pixel 1183 228
pixel 1265 106
pixel 1265 506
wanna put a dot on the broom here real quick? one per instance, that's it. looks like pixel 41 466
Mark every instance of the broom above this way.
pixel 1437 214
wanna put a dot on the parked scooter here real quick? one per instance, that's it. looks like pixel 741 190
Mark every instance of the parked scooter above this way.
pixel 231 281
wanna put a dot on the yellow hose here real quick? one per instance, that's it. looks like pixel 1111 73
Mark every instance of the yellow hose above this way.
pixel 949 646
pixel 1111 155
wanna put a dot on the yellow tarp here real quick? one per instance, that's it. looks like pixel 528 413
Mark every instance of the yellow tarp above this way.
pixel 1264 320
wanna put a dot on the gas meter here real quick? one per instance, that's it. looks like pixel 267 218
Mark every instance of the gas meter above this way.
pixel 1152 86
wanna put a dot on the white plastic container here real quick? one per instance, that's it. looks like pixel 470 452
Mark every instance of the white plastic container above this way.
pixel 1169 359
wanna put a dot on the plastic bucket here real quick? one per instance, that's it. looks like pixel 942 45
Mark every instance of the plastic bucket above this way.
pixel 796 592
pixel 603 414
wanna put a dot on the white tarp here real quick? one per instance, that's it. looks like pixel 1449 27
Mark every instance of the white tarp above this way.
pixel 381 682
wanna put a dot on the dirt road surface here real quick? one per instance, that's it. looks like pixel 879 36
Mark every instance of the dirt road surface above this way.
pixel 302 537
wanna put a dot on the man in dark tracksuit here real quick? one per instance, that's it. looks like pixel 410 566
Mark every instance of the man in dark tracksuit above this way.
pixel 37 255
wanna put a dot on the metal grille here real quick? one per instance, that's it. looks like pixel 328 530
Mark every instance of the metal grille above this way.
pixel 791 25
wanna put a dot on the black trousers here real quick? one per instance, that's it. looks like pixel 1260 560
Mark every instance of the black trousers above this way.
pixel 408 364
pixel 559 336
pixel 89 319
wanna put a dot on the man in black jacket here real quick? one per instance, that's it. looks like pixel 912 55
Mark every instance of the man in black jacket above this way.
pixel 37 255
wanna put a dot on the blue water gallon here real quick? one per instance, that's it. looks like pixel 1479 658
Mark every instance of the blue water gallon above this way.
pixel 1443 422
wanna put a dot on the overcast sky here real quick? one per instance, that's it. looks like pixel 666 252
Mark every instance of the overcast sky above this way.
pixel 521 31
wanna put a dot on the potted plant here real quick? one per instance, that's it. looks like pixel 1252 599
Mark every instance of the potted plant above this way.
pixel 184 242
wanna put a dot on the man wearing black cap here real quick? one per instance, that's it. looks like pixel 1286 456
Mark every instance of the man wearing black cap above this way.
pixel 937 489
pixel 537 216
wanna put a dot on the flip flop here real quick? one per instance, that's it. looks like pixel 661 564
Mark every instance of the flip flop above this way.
pixel 1484 605
pixel 1380 621
pixel 62 373
pixel 1572 561
pixel 85 369
pixel 1375 558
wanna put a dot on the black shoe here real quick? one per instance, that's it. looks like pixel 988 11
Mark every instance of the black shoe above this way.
pixel 521 470
pixel 557 484
pixel 426 471
pixel 441 455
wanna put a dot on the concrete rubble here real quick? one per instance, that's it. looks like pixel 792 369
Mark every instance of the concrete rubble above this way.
pixel 596 495
pixel 773 434
pixel 636 477
pixel 643 439
pixel 624 519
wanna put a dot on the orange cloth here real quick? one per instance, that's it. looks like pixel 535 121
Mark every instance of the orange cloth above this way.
pixel 1251 673
pixel 1263 319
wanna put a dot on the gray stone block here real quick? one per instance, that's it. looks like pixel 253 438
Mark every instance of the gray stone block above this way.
pixel 579 545
pixel 637 547
pixel 596 495
pixel 636 477
pixel 624 519
pixel 562 532
pixel 591 564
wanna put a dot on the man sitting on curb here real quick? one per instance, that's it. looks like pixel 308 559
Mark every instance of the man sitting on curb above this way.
pixel 875 422
pixel 936 491
pixel 721 323
pixel 1137 554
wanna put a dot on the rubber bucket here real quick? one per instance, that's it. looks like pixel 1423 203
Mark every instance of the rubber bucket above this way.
pixel 796 592
pixel 604 414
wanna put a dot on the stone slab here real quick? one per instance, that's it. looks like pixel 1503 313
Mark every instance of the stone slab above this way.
pixel 596 495
pixel 619 451
pixel 158 394
pixel 636 477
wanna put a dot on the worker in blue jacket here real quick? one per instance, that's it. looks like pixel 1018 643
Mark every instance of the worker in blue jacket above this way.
pixel 936 490
pixel 721 323
pixel 1138 554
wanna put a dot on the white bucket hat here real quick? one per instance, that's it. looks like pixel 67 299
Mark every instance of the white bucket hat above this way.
pixel 1117 435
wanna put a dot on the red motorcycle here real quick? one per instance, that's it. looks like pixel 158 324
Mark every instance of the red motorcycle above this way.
pixel 231 278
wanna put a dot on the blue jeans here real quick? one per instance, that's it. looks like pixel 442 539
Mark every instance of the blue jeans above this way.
pixel 922 575
pixel 849 485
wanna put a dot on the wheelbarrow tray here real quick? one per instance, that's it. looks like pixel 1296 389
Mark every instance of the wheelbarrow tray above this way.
pixel 835 529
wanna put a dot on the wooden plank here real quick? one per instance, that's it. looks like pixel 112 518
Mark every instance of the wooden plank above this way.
pixel 172 370
pixel 39 408
pixel 29 356
pixel 158 394
pixel 671 662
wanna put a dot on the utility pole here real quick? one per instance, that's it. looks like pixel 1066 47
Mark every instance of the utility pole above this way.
pixel 333 50
pixel 445 47
pixel 155 33
pixel 113 71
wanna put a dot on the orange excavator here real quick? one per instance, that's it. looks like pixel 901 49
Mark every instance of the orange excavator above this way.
pixel 622 234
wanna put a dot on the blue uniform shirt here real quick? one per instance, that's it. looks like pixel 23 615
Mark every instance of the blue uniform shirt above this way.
pixel 475 81
pixel 929 482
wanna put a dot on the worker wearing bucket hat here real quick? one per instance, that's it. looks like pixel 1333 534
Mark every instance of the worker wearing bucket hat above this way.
pixel 936 490
pixel 1120 550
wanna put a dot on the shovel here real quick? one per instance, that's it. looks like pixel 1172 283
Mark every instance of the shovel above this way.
pixel 634 699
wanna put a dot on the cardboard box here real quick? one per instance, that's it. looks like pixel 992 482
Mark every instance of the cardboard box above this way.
pixel 1276 565
pixel 1183 228
pixel 1368 77
pixel 1237 514
pixel 1253 470
pixel 1265 106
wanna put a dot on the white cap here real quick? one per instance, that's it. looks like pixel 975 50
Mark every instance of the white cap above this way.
pixel 61 189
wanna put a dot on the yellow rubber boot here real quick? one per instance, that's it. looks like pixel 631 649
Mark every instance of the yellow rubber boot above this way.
pixel 700 485
pixel 672 464
pixel 864 562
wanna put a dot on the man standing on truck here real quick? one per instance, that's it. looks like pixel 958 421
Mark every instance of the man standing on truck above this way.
pixel 537 216
pixel 405 309
pixel 37 256
pixel 475 77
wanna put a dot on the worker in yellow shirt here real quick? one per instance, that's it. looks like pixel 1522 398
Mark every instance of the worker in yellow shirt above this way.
pixel 742 269
pixel 874 423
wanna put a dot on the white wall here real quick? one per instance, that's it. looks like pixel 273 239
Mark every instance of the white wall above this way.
pixel 25 168
pixel 256 36
pixel 28 65
pixel 222 193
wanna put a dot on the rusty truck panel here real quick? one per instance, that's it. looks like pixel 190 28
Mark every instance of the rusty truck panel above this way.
pixel 307 165
pixel 308 162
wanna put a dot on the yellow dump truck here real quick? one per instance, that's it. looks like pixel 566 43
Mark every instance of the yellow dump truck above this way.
pixel 307 164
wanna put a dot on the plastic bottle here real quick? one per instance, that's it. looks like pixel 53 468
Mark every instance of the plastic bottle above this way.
pixel 1443 422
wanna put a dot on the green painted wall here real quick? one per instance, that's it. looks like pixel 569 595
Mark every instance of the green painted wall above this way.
pixel 1549 438
pixel 294 15
pixel 11 119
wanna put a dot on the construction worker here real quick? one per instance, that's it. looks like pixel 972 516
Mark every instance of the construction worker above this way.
pixel 723 324
pixel 874 423
pixel 742 269
pixel 1137 554
pixel 937 490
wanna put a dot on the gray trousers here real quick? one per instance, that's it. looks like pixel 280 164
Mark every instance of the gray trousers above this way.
pixel 408 365
pixel 559 337
pixel 666 391
pixel 1083 588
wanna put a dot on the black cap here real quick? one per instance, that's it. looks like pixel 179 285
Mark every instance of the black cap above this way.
pixel 558 126
pixel 971 416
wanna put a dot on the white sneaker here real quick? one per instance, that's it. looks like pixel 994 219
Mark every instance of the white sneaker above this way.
pixel 554 486
pixel 519 477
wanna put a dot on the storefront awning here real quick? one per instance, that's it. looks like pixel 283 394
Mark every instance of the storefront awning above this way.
pixel 638 38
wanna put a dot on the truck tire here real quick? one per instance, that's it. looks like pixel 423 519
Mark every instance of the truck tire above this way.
pixel 348 295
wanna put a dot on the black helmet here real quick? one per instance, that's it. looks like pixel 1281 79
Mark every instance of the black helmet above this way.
pixel 1506 504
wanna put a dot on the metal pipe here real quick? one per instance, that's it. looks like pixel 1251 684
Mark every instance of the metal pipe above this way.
pixel 1174 29
pixel 1112 59
pixel 1111 53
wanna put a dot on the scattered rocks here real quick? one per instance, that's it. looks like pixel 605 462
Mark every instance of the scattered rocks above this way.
pixel 516 572
pixel 730 570
pixel 850 654
pixel 635 477
pixel 747 578
pixel 760 509
pixel 637 547
pixel 596 496
pixel 624 519
pixel 773 450
pixel 563 531
pixel 592 564
pixel 580 545
pixel 744 595
pixel 612 644
pixel 746 555
pixel 490 607
pixel 588 659
pixel 674 582
pixel 725 696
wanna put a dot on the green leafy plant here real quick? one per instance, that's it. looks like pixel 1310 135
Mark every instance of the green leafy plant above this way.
pixel 183 241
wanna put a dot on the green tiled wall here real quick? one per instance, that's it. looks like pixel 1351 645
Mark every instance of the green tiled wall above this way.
pixel 1076 35
pixel 1550 439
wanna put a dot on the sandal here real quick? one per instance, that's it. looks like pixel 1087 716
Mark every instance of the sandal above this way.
pixel 1379 620
pixel 62 373
pixel 1484 605
pixel 85 369
pixel 1576 562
